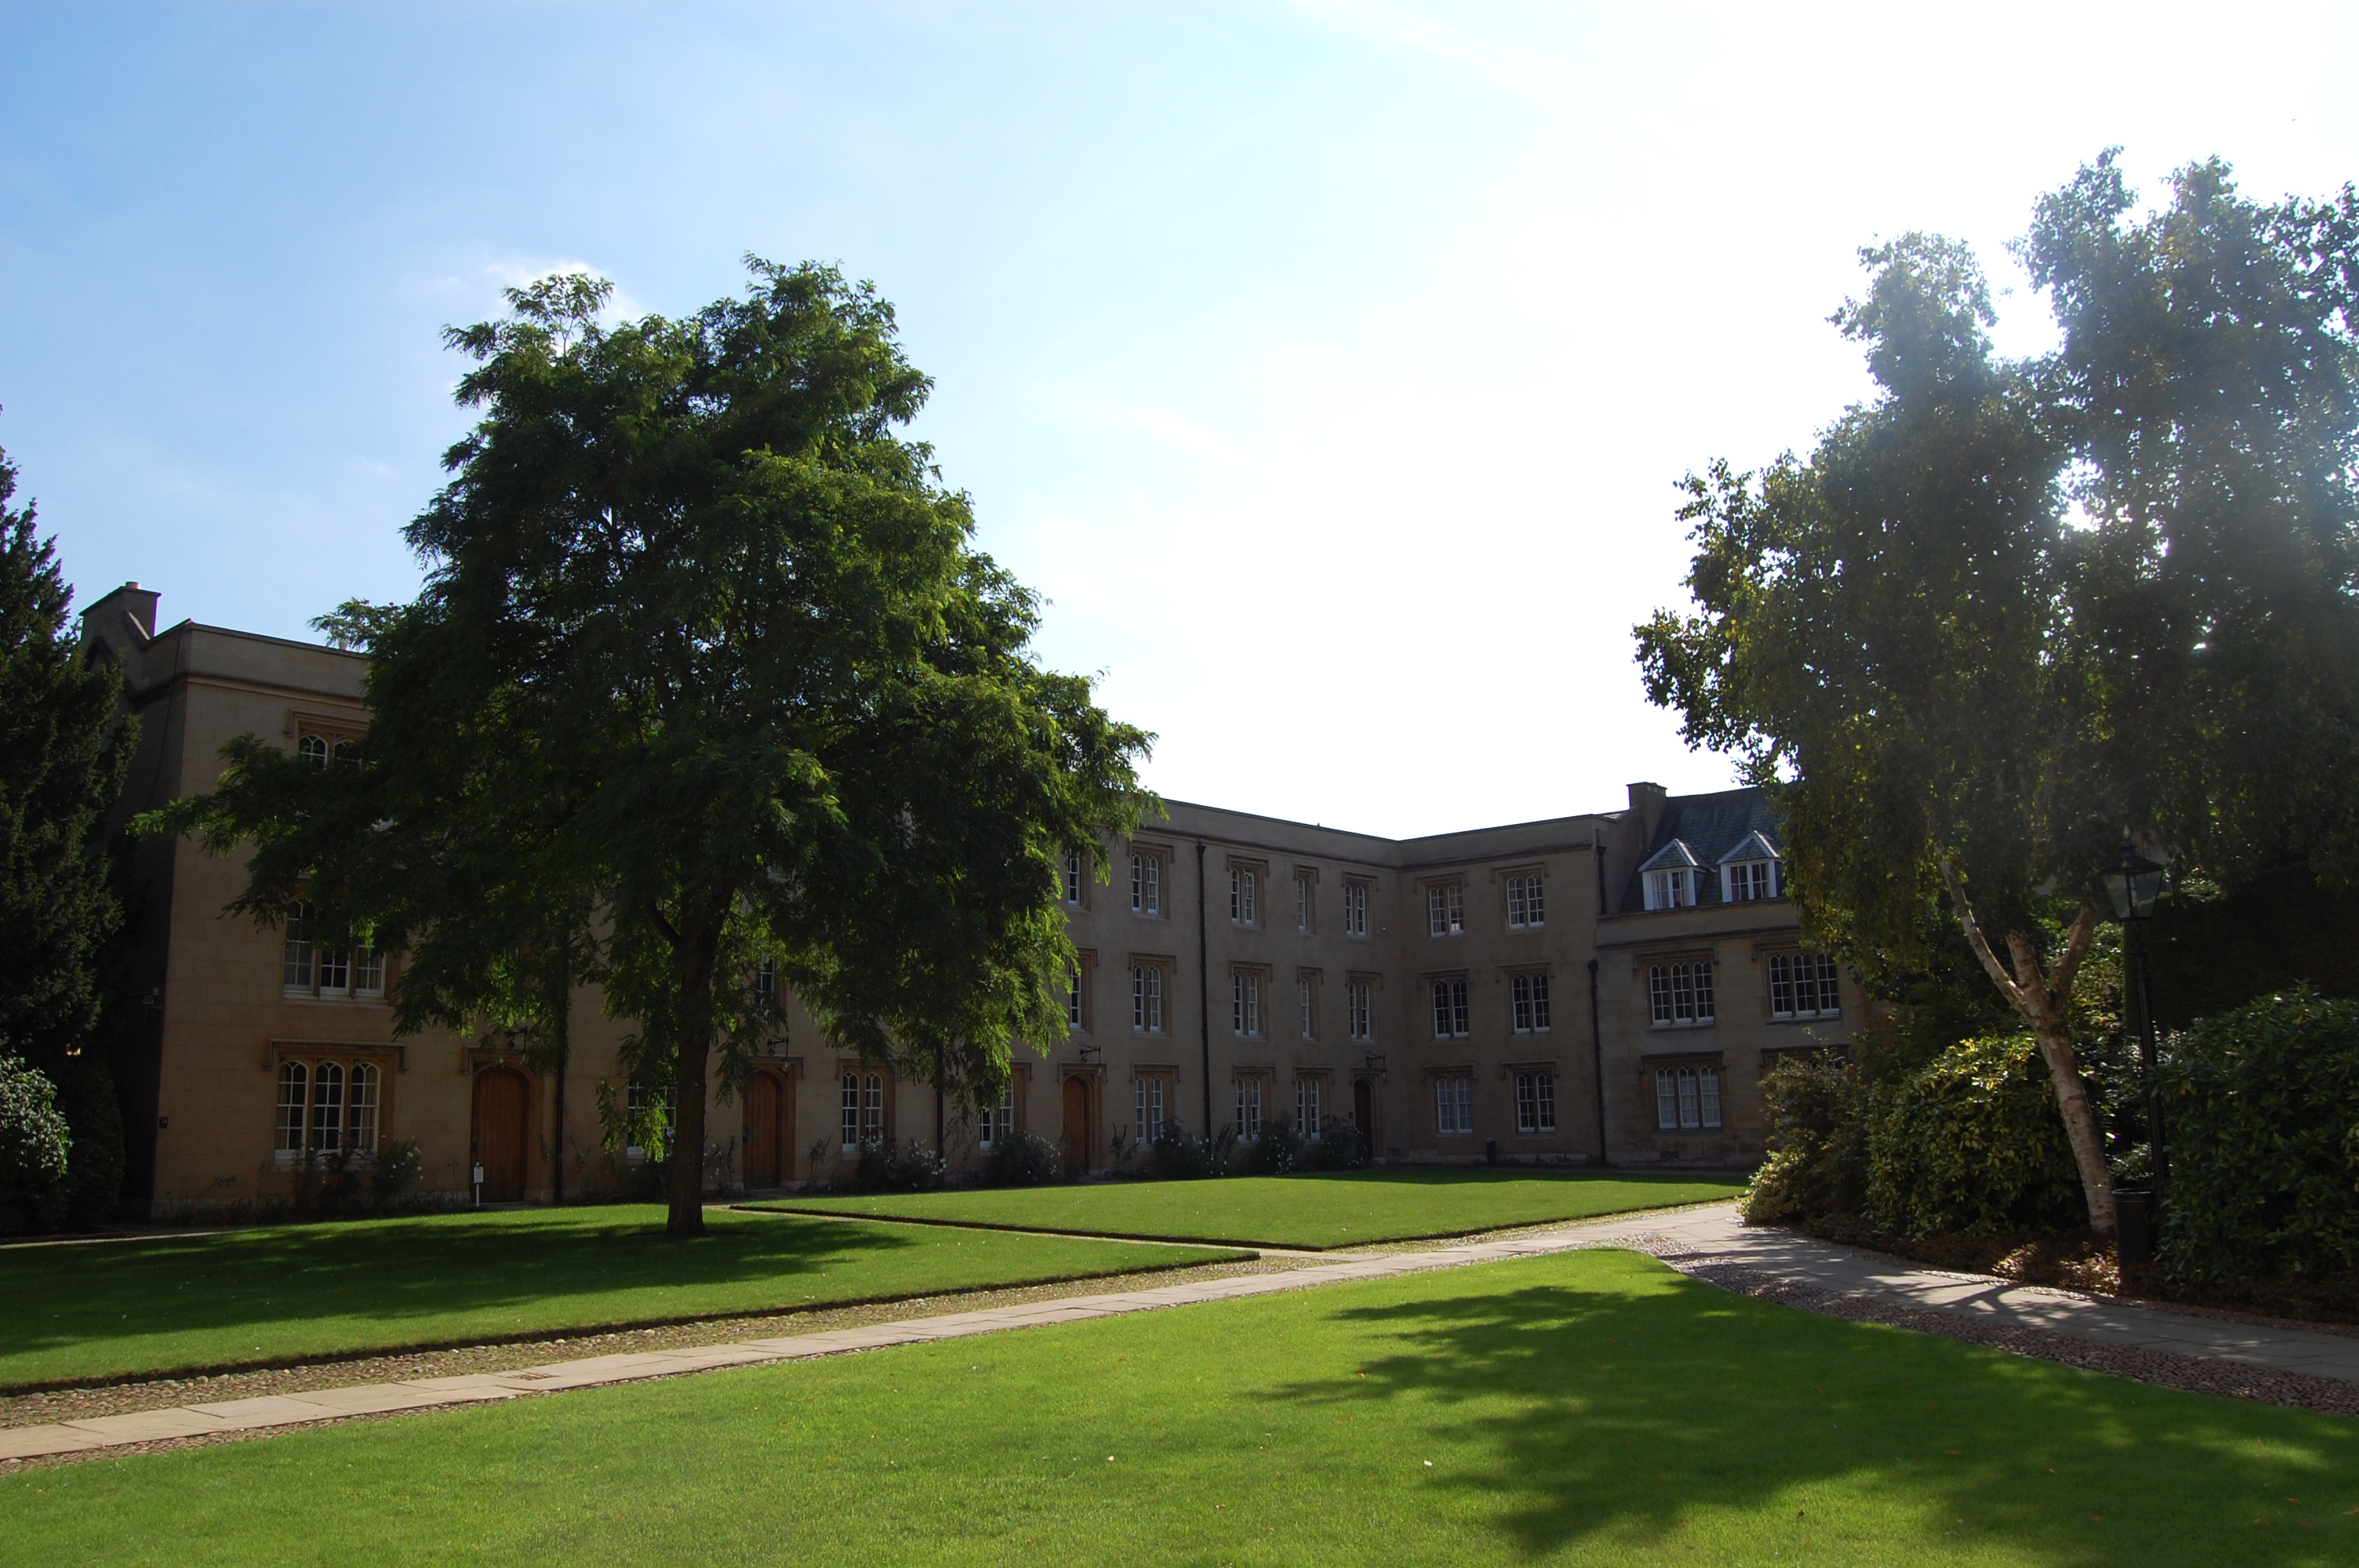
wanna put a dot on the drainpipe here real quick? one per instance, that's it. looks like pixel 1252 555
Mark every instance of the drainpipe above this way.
pixel 939 1153
pixel 1597 1064
pixel 1204 991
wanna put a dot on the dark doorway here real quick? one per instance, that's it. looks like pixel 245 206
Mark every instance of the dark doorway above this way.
pixel 1077 1126
pixel 765 1132
pixel 503 1099
pixel 1364 1113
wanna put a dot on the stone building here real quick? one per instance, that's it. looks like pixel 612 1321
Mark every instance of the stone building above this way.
pixel 1606 986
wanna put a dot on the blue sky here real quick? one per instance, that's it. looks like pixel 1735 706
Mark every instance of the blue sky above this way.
pixel 1328 366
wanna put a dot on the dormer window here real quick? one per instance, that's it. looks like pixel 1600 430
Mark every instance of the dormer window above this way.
pixel 1672 875
pixel 1749 872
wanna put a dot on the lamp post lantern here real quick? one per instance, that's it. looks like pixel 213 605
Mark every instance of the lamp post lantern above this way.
pixel 2133 885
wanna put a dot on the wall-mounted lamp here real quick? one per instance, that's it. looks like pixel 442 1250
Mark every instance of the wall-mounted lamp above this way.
pixel 1376 1061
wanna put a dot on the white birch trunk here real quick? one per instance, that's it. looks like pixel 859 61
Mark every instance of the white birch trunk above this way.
pixel 2043 1001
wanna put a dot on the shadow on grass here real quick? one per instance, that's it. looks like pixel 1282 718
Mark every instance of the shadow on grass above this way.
pixel 407 1270
pixel 1618 1413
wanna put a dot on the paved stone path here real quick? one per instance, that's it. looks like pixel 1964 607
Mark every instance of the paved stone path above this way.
pixel 1699 1240
pixel 1704 1239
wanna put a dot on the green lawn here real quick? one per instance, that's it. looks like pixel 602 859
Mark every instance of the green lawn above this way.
pixel 1341 1210
pixel 251 1297
pixel 1590 1408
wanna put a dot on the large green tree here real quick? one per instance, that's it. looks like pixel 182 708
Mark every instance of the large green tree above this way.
pixel 64 750
pixel 706 654
pixel 2009 611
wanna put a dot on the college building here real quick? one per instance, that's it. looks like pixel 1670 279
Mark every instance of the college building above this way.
pixel 1603 988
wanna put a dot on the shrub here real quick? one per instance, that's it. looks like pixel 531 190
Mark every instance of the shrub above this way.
pixel 33 1148
pixel 1339 1147
pixel 1276 1153
pixel 1176 1156
pixel 1972 1142
pixel 34 1142
pixel 1023 1158
pixel 2261 1127
pixel 871 1168
pixel 913 1168
pixel 1967 1141
pixel 1818 1156
pixel 399 1166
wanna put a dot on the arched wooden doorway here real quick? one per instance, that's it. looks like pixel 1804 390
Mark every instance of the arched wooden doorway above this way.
pixel 1364 1113
pixel 502 1103
pixel 768 1117
pixel 1077 1126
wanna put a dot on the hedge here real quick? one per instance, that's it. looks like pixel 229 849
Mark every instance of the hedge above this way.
pixel 2261 1127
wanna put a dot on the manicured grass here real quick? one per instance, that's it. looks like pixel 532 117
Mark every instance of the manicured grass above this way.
pixel 1392 1204
pixel 249 1297
pixel 1586 1407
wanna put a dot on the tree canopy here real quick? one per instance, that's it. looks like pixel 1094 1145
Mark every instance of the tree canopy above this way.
pixel 2011 611
pixel 707 670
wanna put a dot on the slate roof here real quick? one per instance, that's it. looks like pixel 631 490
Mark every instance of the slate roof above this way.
pixel 1675 853
pixel 1710 829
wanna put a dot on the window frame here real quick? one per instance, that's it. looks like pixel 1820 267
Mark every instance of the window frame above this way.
pixel 1245 878
pixel 1680 1084
pixel 1535 1102
pixel 1761 872
pixel 998 1121
pixel 1453 1104
pixel 1452 1008
pixel 357 1127
pixel 1360 1007
pixel 1151 1094
pixel 1671 977
pixel 1356 891
pixel 1249 1107
pixel 1529 1007
pixel 1526 900
pixel 1671 887
pixel 1146 869
pixel 1246 1002
pixel 1825 981
pixel 1147 984
pixel 1445 909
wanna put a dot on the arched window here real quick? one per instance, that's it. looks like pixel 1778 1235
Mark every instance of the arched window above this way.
pixel 294 1097
pixel 327 1107
pixel 871 1119
pixel 312 749
pixel 361 1107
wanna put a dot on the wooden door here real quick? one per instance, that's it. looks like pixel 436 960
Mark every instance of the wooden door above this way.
pixel 501 1099
pixel 1364 1113
pixel 1077 1126
pixel 765 1132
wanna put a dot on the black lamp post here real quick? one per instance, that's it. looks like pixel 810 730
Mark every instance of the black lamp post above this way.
pixel 2134 885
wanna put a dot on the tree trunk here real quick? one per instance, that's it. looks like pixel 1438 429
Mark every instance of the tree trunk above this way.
pixel 2043 1001
pixel 698 953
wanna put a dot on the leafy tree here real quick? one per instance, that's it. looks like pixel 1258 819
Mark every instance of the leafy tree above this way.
pixel 705 672
pixel 2008 612
pixel 63 751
